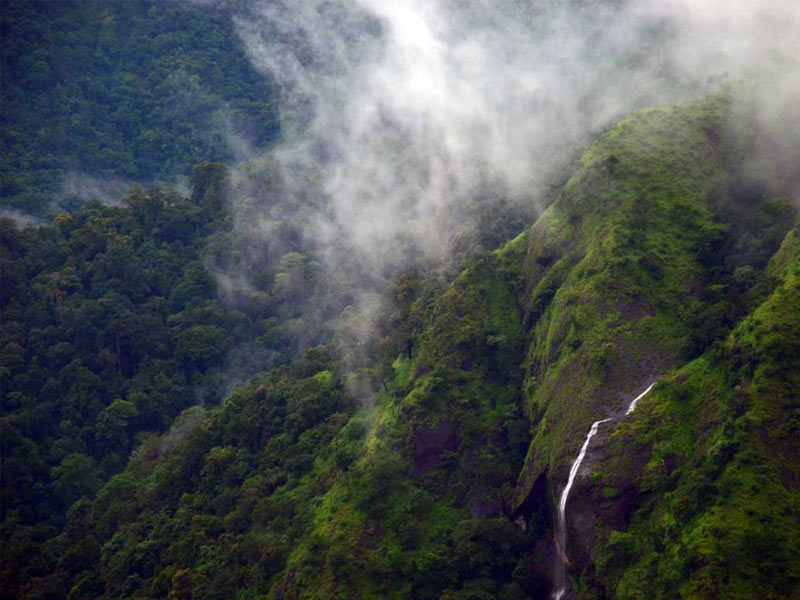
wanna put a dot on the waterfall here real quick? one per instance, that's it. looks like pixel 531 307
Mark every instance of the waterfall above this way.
pixel 562 506
pixel 639 397
pixel 561 540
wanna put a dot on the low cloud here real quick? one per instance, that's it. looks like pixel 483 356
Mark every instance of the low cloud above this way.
pixel 22 219
pixel 398 115
pixel 79 187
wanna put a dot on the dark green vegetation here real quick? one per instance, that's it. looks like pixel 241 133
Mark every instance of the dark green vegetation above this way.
pixel 179 422
pixel 117 89
pixel 126 474
pixel 111 326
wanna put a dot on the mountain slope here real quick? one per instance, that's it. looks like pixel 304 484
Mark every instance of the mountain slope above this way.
pixel 658 261
pixel 720 513
pixel 654 249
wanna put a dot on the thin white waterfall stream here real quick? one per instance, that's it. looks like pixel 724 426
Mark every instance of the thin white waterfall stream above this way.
pixel 562 503
pixel 635 401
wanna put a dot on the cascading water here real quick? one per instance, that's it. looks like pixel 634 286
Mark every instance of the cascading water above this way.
pixel 562 506
pixel 561 540
pixel 635 401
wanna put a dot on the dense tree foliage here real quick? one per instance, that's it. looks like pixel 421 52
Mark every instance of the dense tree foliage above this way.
pixel 181 520
pixel 111 326
pixel 190 410
pixel 229 499
pixel 134 90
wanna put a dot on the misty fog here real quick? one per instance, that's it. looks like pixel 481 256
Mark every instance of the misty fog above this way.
pixel 399 116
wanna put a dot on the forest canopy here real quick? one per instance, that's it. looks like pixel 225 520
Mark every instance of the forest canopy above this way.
pixel 100 93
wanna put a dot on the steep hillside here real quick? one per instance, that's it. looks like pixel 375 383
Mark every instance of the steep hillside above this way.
pixel 654 250
pixel 406 498
pixel 658 261
pixel 428 496
pixel 717 471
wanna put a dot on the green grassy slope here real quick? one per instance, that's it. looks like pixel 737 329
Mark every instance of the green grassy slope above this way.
pixel 722 514
pixel 623 265
pixel 655 249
